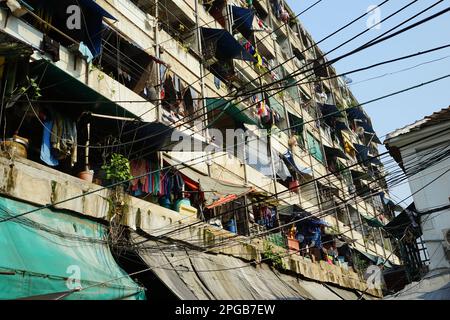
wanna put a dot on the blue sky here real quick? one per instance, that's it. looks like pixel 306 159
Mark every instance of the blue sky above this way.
pixel 395 112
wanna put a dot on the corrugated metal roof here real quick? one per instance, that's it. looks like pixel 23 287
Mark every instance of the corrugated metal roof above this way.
pixel 434 286
pixel 200 276
pixel 437 117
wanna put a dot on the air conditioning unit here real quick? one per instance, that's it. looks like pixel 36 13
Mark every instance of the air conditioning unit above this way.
pixel 446 243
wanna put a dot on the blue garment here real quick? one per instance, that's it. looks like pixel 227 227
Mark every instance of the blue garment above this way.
pixel 217 82
pixel 137 193
pixel 317 237
pixel 84 50
pixel 46 151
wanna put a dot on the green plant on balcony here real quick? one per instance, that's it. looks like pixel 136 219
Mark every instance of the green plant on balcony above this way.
pixel 118 172
pixel 31 89
pixel 100 75
pixel 360 264
pixel 274 258
pixel 118 169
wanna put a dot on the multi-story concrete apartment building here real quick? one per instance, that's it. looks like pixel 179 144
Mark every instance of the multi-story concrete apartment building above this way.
pixel 85 80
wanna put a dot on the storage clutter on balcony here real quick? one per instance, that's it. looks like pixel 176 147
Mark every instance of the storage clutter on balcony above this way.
pixel 87 29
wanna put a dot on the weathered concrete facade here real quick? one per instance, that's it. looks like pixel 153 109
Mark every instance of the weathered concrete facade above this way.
pixel 28 181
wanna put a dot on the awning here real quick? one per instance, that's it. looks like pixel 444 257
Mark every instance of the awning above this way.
pixel 288 159
pixel 158 136
pixel 374 258
pixel 43 249
pixel 335 152
pixel 232 109
pixel 92 20
pixel 60 85
pixel 330 110
pixel 12 47
pixel 366 125
pixel 397 226
pixel 358 175
pixel 375 161
pixel 340 125
pixel 243 20
pixel 294 211
pixel 373 137
pixel 388 202
pixel 224 45
pixel 433 286
pixel 348 145
pixel 363 155
pixel 372 221
pixel 214 189
pixel 356 113
pixel 50 296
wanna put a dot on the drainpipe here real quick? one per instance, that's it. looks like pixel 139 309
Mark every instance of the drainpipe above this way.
pixel 158 55
pixel 202 80
pixel 158 76
pixel 382 243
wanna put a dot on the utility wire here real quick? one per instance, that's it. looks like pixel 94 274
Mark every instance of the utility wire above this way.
pixel 232 268
pixel 369 44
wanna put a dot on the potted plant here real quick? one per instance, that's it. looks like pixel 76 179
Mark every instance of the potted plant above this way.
pixel 117 171
pixel 18 145
pixel 15 146
pixel 87 174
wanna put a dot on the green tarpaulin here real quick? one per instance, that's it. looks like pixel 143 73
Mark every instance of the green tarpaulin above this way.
pixel 375 259
pixel 372 221
pixel 60 85
pixel 49 252
pixel 235 111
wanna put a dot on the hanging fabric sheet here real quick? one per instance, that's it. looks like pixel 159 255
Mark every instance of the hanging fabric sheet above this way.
pixel 63 137
pixel 46 148
pixel 148 179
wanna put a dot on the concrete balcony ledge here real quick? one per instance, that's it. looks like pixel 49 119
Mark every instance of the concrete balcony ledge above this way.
pixel 92 77
pixel 131 21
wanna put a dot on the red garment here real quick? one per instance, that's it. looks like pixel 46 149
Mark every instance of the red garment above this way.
pixel 139 168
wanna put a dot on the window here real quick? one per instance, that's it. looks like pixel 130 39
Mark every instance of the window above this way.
pixel 297 127
pixel 315 148
pixel 128 64
pixel 343 217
